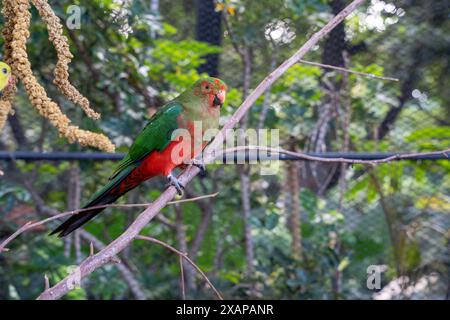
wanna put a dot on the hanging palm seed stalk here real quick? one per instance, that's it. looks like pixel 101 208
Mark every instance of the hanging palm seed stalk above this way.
pixel 15 33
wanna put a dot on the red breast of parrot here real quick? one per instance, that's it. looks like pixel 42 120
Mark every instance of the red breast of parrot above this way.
pixel 157 150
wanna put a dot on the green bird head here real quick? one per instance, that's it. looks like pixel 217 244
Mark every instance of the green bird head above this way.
pixel 210 91
pixel 5 76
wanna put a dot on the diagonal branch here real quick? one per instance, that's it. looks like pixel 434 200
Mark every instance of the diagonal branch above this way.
pixel 127 274
pixel 101 258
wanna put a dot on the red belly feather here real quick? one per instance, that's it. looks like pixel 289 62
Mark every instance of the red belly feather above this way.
pixel 160 163
pixel 155 164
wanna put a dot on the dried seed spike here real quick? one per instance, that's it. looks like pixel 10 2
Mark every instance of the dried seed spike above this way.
pixel 64 57
pixel 17 18
pixel 9 93
pixel 5 110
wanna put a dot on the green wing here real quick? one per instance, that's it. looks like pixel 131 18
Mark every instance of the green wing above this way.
pixel 156 135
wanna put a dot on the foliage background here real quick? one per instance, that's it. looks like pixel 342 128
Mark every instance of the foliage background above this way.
pixel 133 56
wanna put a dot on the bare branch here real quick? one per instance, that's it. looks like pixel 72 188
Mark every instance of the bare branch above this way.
pixel 120 243
pixel 184 256
pixel 344 70
pixel 304 156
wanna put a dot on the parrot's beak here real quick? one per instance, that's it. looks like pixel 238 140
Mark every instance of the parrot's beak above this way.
pixel 216 101
pixel 219 99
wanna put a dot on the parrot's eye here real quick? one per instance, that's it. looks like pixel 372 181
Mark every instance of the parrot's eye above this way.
pixel 4 71
pixel 207 87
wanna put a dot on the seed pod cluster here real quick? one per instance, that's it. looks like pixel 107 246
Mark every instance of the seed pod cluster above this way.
pixel 64 56
pixel 10 91
pixel 15 31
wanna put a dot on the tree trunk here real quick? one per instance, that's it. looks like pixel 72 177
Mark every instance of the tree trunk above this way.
pixel 293 182
pixel 244 170
pixel 182 246
pixel 246 209
pixel 73 203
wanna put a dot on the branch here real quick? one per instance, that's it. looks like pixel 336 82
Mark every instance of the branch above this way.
pixel 344 70
pixel 102 257
pixel 30 225
pixel 305 156
pixel 182 255
pixel 234 43
pixel 127 274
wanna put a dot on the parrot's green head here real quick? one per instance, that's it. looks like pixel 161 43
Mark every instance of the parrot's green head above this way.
pixel 5 76
pixel 211 90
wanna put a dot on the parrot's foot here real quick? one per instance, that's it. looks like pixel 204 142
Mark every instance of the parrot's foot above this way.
pixel 199 164
pixel 173 181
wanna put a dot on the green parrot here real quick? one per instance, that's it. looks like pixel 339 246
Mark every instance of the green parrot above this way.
pixel 155 151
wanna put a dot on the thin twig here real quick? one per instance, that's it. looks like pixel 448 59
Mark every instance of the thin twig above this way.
pixel 232 38
pixel 30 225
pixel 344 70
pixel 305 156
pixel 14 235
pixel 185 256
pixel 101 258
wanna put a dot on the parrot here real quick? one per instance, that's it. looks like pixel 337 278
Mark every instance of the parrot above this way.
pixel 152 154
pixel 5 76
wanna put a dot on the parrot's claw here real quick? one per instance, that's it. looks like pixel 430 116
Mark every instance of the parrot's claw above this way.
pixel 199 164
pixel 173 181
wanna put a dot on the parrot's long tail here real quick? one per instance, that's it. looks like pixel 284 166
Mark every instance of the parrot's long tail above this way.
pixel 117 187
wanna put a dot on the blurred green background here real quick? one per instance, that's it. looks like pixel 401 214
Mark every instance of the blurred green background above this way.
pixel 308 232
